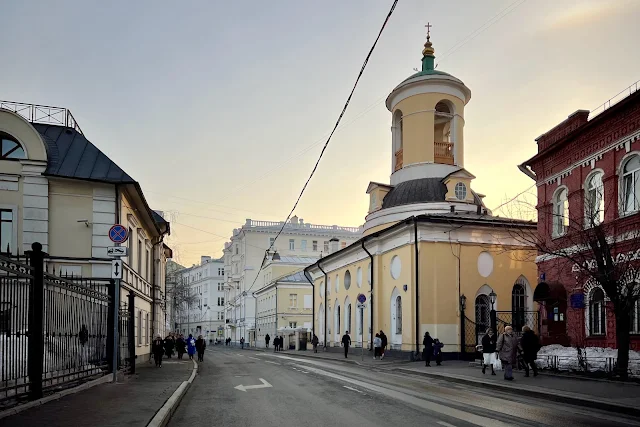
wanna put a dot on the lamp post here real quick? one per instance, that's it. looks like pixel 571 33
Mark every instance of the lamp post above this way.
pixel 492 314
pixel 463 305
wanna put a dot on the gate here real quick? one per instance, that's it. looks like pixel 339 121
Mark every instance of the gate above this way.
pixel 517 320
pixel 55 331
pixel 126 330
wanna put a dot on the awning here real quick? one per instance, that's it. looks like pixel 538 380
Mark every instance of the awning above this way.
pixel 549 291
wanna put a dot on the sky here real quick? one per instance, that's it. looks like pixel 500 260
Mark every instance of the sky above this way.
pixel 220 109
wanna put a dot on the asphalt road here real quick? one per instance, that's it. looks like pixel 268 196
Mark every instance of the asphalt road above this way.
pixel 294 391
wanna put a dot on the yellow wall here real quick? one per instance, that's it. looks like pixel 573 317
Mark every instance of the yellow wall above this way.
pixel 418 127
pixel 69 202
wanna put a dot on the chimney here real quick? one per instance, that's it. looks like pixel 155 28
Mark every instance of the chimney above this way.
pixel 204 259
pixel 334 245
pixel 301 221
pixel 294 220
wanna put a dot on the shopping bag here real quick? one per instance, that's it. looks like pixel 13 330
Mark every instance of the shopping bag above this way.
pixel 497 365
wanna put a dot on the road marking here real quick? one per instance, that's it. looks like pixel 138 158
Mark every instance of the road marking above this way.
pixel 244 388
pixel 304 372
pixel 273 363
pixel 254 358
pixel 446 424
pixel 352 389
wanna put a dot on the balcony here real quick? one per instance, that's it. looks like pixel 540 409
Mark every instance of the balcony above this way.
pixel 398 164
pixel 42 114
pixel 443 152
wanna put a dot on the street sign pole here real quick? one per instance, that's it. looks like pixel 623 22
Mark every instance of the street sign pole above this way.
pixel 362 299
pixel 118 234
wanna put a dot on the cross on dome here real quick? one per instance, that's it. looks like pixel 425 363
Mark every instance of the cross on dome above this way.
pixel 428 27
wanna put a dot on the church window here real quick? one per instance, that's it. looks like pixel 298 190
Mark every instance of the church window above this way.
pixel 10 149
pixel 461 191
pixel 518 307
pixel 483 310
pixel 347 324
pixel 560 212
pixel 631 185
pixel 398 315
pixel 397 138
pixel 347 280
pixel 595 200
pixel 597 313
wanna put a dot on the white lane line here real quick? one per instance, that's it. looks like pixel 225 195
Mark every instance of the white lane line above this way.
pixel 352 389
pixel 273 363
pixel 254 358
pixel 304 372
pixel 446 424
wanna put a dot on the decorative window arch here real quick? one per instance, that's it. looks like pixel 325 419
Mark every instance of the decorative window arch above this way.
pixel 594 199
pixel 10 148
pixel 597 315
pixel 560 213
pixel 630 184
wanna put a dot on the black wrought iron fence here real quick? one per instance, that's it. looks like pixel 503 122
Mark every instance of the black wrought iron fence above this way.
pixel 126 330
pixel 55 331
pixel 471 335
pixel 518 320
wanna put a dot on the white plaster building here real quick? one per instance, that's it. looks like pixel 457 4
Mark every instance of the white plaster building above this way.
pixel 244 255
pixel 206 316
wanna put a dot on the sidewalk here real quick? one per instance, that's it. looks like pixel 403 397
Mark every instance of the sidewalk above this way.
pixel 337 354
pixel 132 402
pixel 600 394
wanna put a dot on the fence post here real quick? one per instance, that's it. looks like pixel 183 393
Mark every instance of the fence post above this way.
pixel 131 333
pixel 36 308
pixel 111 325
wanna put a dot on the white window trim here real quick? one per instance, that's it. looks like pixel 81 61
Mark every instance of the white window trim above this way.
pixel 587 222
pixel 589 289
pixel 14 231
pixel 554 200
pixel 621 199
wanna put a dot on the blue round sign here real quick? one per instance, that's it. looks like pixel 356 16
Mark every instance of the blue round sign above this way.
pixel 118 234
pixel 362 298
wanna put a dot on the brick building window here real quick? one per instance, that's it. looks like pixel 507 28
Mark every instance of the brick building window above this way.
pixel 594 202
pixel 560 212
pixel 597 313
pixel 631 185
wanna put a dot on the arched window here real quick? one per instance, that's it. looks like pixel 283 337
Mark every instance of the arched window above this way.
pixel 597 312
pixel 631 185
pixel 518 307
pixel 10 149
pixel 594 203
pixel 397 138
pixel 483 310
pixel 442 140
pixel 560 212
pixel 398 315
pixel 347 324
pixel 347 280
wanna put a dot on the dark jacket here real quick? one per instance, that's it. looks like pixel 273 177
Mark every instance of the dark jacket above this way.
pixel 181 345
pixel 489 343
pixel 267 338
pixel 427 342
pixel 201 344
pixel 530 345
pixel 157 347
pixel 315 340
pixel 437 348
pixel 383 337
pixel 346 340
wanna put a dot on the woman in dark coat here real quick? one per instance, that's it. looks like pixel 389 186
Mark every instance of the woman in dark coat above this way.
pixel 489 341
pixel 157 348
pixel 181 346
pixel 168 346
pixel 200 346
pixel 427 342
pixel 530 345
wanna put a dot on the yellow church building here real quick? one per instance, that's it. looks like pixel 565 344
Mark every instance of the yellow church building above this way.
pixel 432 256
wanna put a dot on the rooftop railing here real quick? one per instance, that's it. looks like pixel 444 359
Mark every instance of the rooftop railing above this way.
pixel 43 114
pixel 633 88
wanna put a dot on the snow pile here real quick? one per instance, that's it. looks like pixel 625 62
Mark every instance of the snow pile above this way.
pixel 591 359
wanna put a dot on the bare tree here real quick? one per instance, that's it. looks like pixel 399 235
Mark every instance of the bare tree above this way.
pixel 595 245
pixel 179 295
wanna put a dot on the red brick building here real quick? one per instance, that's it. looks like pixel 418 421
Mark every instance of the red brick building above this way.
pixel 587 170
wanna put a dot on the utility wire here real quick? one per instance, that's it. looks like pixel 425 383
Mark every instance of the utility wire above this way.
pixel 326 144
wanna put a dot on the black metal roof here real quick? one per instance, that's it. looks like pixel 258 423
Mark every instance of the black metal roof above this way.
pixel 71 155
pixel 421 190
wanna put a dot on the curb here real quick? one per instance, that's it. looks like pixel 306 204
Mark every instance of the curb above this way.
pixel 164 414
pixel 13 411
pixel 538 392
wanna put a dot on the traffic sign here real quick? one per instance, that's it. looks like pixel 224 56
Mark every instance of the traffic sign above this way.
pixel 117 251
pixel 362 298
pixel 118 234
pixel 116 269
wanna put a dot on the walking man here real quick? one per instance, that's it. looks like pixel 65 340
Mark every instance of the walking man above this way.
pixel 267 338
pixel 427 342
pixel 507 347
pixel 530 344
pixel 346 342
pixel 242 343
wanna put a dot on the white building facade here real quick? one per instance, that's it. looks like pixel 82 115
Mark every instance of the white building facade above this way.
pixel 244 255
pixel 206 315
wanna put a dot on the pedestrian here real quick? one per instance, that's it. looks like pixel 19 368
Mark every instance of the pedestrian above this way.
pixel 157 348
pixel 314 342
pixel 377 347
pixel 346 342
pixel 201 344
pixel 242 343
pixel 507 347
pixel 168 346
pixel 191 346
pixel 427 352
pixel 181 346
pixel 383 348
pixel 281 343
pixel 437 351
pixel 267 339
pixel 489 351
pixel 530 344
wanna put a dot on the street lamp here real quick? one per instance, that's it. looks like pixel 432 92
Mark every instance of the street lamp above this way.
pixel 463 302
pixel 492 313
pixel 463 332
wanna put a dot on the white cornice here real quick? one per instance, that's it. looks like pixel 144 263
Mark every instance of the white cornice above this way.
pixel 399 213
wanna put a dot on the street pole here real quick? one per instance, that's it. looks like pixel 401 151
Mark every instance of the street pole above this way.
pixel 116 323
pixel 362 331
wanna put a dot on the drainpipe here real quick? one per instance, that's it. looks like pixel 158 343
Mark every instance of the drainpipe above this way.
pixel 313 301
pixel 326 305
pixel 417 283
pixel 371 291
